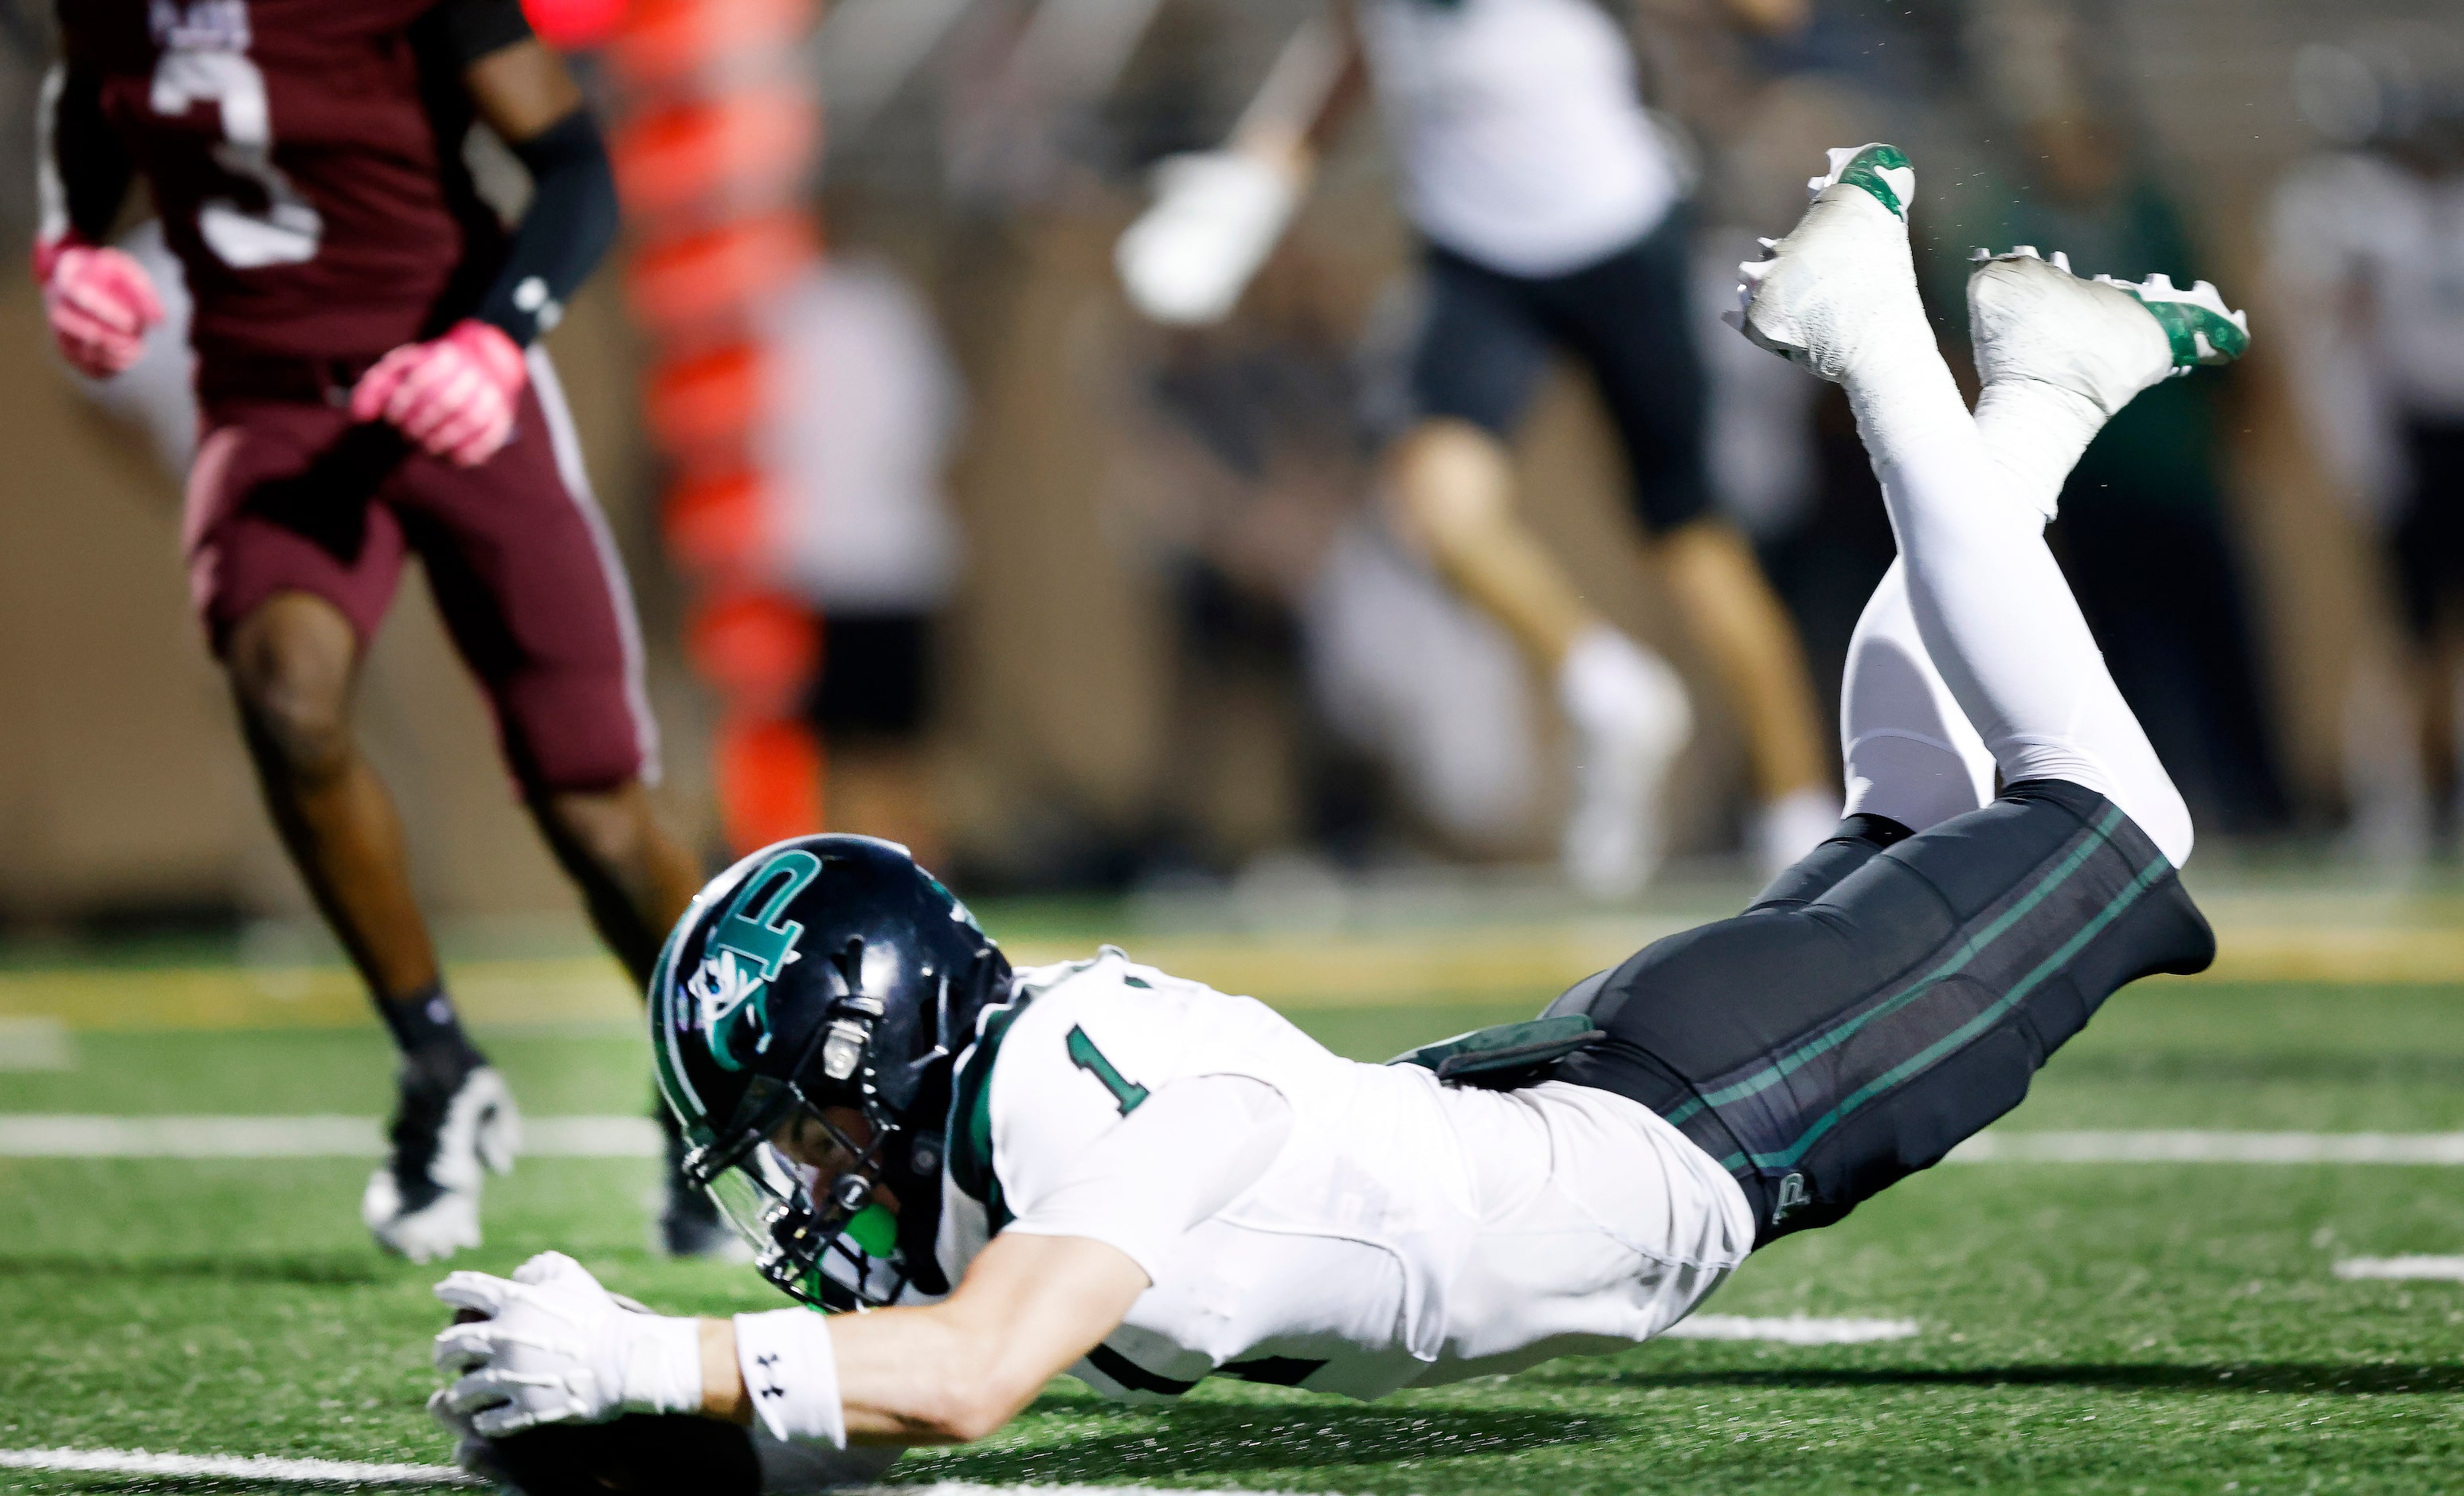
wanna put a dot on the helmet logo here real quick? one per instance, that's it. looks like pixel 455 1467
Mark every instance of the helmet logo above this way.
pixel 747 950
pixel 765 937
pixel 727 992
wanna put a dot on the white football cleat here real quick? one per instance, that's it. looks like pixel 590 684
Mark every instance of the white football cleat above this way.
pixel 2196 321
pixel 1843 281
pixel 1631 717
pixel 2032 320
pixel 1782 830
pixel 2058 356
pixel 424 1203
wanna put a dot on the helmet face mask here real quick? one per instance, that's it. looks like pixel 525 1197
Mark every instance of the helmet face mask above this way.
pixel 818 977
pixel 805 1241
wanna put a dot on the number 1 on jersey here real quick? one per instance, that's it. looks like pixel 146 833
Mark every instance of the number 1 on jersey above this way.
pixel 1083 1054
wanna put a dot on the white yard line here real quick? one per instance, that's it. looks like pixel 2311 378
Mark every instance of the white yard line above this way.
pixel 343 1472
pixel 2443 1269
pixel 251 1467
pixel 2399 1148
pixel 1796 1330
pixel 38 1136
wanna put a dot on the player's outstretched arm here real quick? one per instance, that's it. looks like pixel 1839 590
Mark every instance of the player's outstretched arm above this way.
pixel 1218 214
pixel 551 1346
pixel 955 1371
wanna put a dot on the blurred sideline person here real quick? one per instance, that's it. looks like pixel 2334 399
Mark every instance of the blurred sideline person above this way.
pixel 868 410
pixel 1331 691
pixel 2367 248
pixel 363 325
pixel 1096 1167
pixel 1554 221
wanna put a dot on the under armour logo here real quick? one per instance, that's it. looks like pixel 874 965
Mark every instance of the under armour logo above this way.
pixel 769 1365
pixel 1792 1192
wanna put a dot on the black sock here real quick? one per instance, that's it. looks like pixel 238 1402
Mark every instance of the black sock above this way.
pixel 428 1033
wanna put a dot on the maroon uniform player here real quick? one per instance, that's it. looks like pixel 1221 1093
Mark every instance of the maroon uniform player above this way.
pixel 368 392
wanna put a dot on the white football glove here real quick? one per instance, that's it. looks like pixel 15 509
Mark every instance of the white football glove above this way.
pixel 557 1348
pixel 1216 217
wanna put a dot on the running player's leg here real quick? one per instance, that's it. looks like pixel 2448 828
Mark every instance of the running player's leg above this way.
pixel 1987 597
pixel 1450 478
pixel 292 661
pixel 533 593
pixel 531 587
pixel 293 566
pixel 1631 317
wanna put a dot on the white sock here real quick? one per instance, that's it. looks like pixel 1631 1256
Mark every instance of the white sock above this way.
pixel 1607 678
pixel 2036 433
pixel 2001 623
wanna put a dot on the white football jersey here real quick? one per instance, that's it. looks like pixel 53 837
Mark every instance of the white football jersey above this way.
pixel 1522 137
pixel 1406 1232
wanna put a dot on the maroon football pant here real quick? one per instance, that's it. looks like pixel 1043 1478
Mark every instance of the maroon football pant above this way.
pixel 286 495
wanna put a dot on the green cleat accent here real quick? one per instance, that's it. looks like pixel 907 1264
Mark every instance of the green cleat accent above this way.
pixel 2196 321
pixel 1881 169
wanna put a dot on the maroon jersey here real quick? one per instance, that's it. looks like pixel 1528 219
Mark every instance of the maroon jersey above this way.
pixel 306 159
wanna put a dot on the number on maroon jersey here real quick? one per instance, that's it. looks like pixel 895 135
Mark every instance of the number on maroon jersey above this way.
pixel 209 64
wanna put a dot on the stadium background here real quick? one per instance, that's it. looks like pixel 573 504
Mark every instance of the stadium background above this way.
pixel 1112 763
pixel 124 794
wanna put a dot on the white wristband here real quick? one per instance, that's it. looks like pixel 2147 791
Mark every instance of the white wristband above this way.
pixel 662 1365
pixel 792 1374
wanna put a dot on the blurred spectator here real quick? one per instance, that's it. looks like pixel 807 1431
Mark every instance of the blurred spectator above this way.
pixel 868 410
pixel 1554 218
pixel 1286 587
pixel 2366 250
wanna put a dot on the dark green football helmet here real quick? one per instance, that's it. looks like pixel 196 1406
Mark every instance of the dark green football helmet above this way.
pixel 823 972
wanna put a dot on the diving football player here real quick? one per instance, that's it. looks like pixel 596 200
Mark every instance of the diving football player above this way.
pixel 1101 1169
pixel 370 390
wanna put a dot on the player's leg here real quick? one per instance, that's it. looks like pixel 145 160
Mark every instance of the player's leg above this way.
pixel 635 878
pixel 2058 356
pixel 1989 601
pixel 294 567
pixel 1906 1002
pixel 1630 318
pixel 1450 481
pixel 531 588
pixel 1911 753
pixel 292 661
pixel 1913 760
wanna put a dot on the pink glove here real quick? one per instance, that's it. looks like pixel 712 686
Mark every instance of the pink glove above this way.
pixel 454 396
pixel 100 300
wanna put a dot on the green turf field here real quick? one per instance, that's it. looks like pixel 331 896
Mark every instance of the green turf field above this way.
pixel 2085 1327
